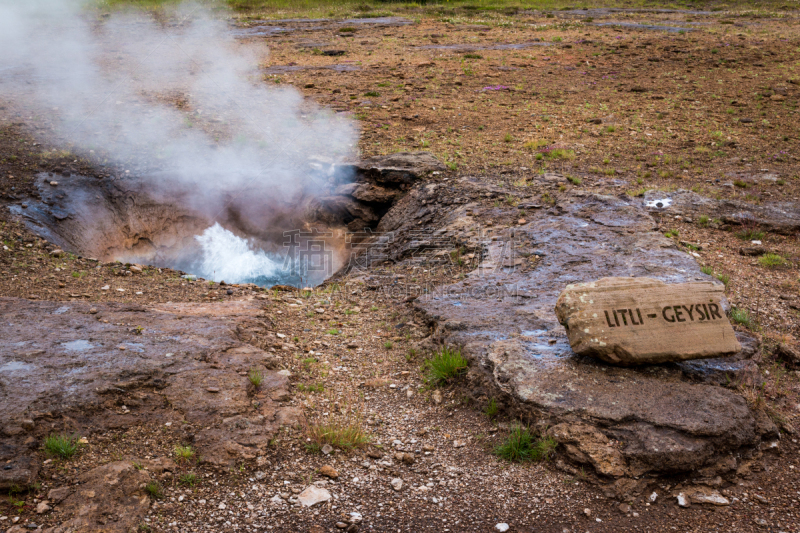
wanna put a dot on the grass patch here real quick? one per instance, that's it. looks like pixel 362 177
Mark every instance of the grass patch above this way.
pixel 703 220
pixel 184 453
pixel 443 366
pixel 574 180
pixel 707 270
pixel 345 434
pixel 637 192
pixel 522 445
pixel 724 278
pixel 62 445
pixel 535 144
pixel 559 153
pixel 742 317
pixel 491 408
pixel 154 490
pixel 310 387
pixel 750 234
pixel 189 479
pixel 256 377
pixel 772 261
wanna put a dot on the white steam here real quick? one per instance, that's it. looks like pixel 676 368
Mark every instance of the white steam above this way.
pixel 178 103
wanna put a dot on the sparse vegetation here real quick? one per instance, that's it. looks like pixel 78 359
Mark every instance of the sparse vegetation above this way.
pixel 445 365
pixel 154 490
pixel 742 317
pixel 750 234
pixel 772 261
pixel 491 408
pixel 184 453
pixel 255 377
pixel 62 445
pixel 523 445
pixel 188 479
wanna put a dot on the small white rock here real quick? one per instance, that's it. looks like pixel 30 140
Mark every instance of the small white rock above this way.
pixel 683 501
pixel 502 526
pixel 396 484
pixel 313 495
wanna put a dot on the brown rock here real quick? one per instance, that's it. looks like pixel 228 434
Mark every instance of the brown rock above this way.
pixel 21 471
pixel 59 494
pixel 630 321
pixel 789 354
pixel 116 488
pixel 752 250
pixel 586 444
pixel 329 471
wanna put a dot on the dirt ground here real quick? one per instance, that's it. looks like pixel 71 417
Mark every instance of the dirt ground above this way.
pixel 710 106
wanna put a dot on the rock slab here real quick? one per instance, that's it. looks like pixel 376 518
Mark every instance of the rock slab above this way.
pixel 631 321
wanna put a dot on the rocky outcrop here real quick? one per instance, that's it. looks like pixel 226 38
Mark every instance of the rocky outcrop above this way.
pixel 157 369
pixel 622 421
pixel 783 218
pixel 631 321
pixel 365 190
pixel 109 498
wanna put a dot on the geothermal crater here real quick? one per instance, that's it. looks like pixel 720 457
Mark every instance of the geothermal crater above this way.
pixel 298 241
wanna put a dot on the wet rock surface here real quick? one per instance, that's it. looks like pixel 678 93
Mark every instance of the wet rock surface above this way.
pixel 125 365
pixel 783 218
pixel 644 419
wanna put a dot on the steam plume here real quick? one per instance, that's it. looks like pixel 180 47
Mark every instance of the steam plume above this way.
pixel 178 103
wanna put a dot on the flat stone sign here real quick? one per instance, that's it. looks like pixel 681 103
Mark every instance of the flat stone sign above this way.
pixel 630 321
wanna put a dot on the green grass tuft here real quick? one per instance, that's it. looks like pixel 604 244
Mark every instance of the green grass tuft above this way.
pixel 443 366
pixel 742 317
pixel 154 490
pixel 492 408
pixel 184 453
pixel 750 235
pixel 522 445
pixel 189 479
pixel 256 377
pixel 62 445
pixel 772 261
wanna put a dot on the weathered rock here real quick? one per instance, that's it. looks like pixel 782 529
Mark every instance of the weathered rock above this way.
pixel 18 471
pixel 402 168
pixel 313 495
pixel 175 369
pixel 57 495
pixel 396 484
pixel 585 444
pixel 659 420
pixel 789 354
pixel 752 251
pixel 706 495
pixel 781 218
pixel 329 471
pixel 630 321
pixel 109 498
